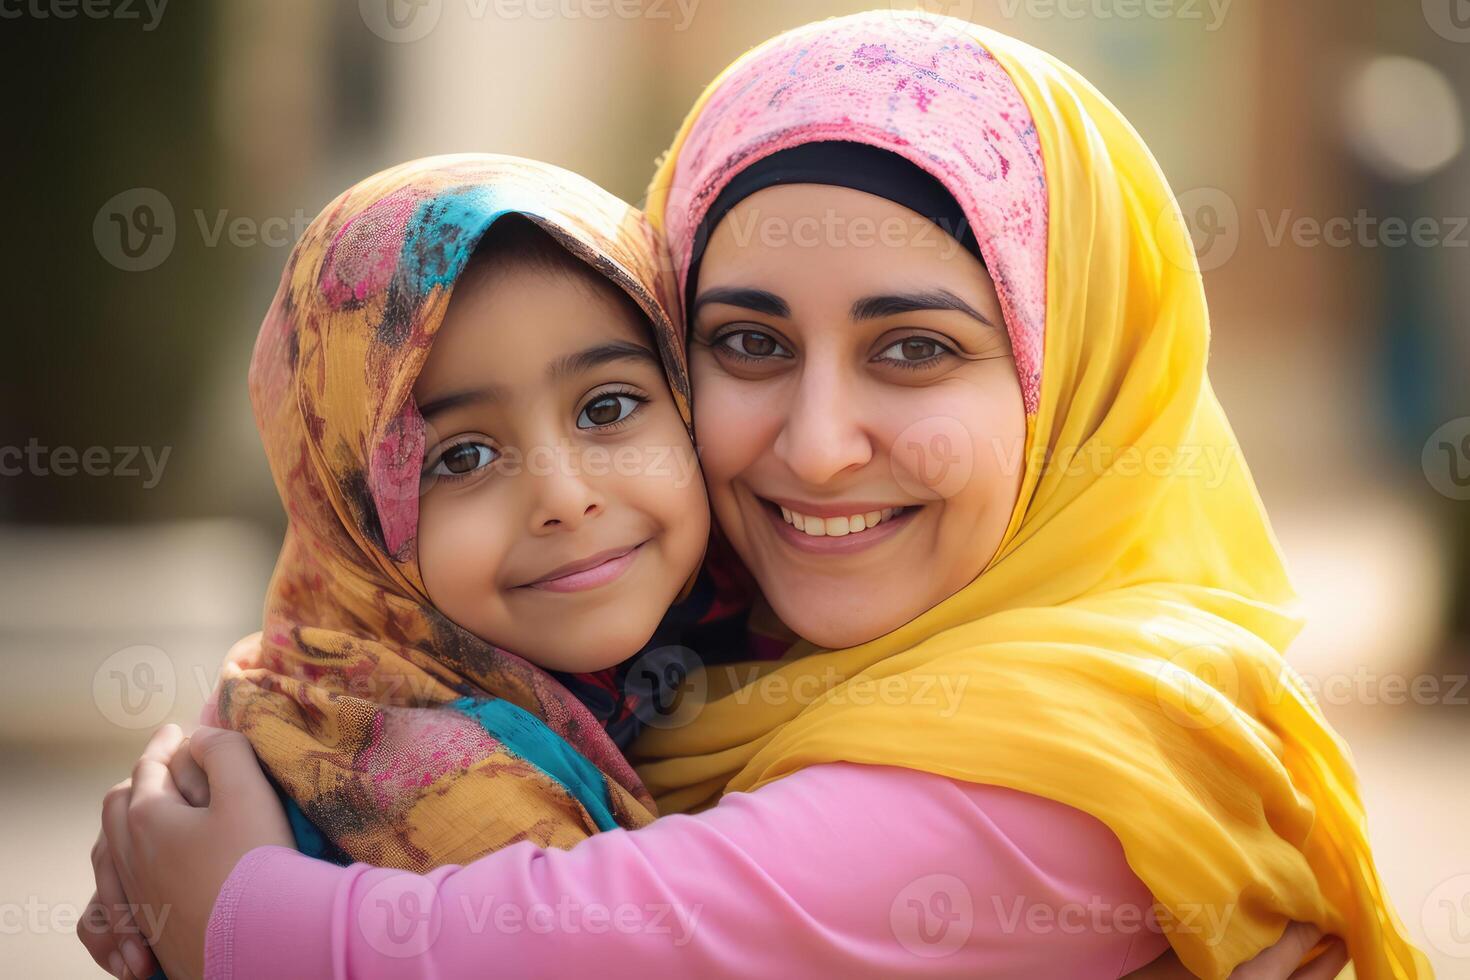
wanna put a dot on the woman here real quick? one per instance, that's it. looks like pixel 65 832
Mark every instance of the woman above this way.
pixel 1015 421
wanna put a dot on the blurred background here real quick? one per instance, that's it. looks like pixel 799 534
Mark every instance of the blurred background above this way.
pixel 164 157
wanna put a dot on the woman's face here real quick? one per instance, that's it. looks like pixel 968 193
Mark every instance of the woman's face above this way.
pixel 857 407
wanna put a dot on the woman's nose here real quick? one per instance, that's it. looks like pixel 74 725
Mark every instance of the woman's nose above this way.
pixel 823 435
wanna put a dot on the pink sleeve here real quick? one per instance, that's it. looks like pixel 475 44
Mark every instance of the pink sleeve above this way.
pixel 840 869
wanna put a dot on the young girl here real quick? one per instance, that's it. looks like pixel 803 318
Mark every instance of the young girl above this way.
pixel 475 411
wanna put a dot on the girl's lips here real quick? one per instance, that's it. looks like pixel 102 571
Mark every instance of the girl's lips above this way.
pixel 844 545
pixel 598 570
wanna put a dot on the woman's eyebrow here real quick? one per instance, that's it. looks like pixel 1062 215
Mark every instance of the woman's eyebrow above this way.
pixel 874 307
pixel 586 360
pixel 757 300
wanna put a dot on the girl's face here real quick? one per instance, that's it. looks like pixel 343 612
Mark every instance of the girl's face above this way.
pixel 857 407
pixel 562 508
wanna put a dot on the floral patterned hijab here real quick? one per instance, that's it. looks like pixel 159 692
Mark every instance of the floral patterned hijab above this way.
pixel 399 738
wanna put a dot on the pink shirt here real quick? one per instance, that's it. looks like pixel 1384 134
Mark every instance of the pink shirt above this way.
pixel 838 870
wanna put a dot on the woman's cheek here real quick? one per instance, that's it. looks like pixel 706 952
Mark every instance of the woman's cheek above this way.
pixel 734 423
pixel 935 439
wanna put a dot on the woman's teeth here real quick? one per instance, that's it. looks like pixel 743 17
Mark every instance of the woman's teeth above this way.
pixel 836 527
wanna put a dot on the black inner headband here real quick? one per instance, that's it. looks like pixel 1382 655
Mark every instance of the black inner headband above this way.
pixel 840 164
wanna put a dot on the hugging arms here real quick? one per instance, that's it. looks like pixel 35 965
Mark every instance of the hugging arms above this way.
pixel 890 422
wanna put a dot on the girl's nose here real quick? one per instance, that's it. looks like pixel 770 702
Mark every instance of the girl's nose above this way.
pixel 564 498
pixel 823 435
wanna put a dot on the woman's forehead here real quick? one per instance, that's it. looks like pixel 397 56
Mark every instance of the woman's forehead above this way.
pixel 815 240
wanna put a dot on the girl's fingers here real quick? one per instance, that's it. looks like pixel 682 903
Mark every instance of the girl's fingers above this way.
pixel 230 764
pixel 115 820
pixel 151 779
pixel 94 931
pixel 113 900
pixel 139 958
pixel 1328 965
pixel 188 776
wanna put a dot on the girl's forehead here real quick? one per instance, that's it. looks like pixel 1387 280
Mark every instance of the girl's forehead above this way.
pixel 513 324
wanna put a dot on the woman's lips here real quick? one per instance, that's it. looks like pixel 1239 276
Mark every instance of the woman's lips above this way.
pixel 589 573
pixel 842 545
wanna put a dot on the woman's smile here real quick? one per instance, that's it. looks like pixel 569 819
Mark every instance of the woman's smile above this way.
pixel 838 528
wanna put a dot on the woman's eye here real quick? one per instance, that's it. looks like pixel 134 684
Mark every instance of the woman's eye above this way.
pixel 607 410
pixel 912 351
pixel 464 459
pixel 752 343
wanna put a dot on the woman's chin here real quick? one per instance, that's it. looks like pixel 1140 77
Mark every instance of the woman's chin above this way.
pixel 833 628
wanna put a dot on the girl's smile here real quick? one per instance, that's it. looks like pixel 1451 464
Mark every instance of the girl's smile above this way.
pixel 601 569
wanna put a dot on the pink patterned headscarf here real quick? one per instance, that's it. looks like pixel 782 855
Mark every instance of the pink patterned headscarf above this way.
pixel 900 82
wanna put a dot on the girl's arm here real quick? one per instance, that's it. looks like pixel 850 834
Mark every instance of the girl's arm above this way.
pixel 841 869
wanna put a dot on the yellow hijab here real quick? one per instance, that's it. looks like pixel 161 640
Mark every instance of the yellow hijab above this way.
pixel 1122 651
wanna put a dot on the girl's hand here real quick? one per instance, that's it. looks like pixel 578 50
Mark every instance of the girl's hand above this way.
pixel 108 929
pixel 172 857
pixel 1278 961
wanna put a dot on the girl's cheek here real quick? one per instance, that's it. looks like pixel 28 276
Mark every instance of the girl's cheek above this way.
pixel 462 543
pixel 661 475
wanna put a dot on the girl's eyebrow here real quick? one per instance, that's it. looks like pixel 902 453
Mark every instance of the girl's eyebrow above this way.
pixel 444 403
pixel 874 307
pixel 586 360
pixel 757 300
pixel 570 364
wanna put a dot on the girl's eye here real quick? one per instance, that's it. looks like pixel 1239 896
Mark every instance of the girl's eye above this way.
pixel 606 410
pixel 913 352
pixel 751 344
pixel 464 459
